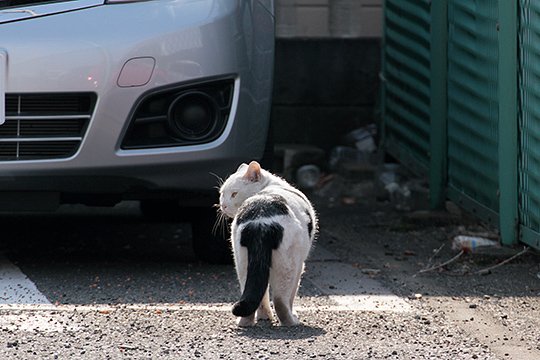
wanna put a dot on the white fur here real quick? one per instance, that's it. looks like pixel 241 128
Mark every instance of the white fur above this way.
pixel 288 260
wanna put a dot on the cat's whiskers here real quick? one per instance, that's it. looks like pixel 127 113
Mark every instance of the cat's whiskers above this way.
pixel 218 178
pixel 221 222
pixel 220 226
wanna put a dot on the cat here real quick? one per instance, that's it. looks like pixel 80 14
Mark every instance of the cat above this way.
pixel 273 229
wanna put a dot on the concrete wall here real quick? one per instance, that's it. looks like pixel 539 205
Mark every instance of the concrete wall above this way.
pixel 324 88
pixel 328 18
pixel 326 71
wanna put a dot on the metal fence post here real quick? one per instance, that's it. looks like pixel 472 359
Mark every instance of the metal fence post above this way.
pixel 508 121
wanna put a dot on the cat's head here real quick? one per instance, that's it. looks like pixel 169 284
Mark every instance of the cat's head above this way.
pixel 244 183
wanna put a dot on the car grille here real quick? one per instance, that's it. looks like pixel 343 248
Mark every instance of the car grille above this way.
pixel 44 126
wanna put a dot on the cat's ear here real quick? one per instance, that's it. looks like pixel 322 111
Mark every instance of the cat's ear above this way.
pixel 253 172
pixel 241 167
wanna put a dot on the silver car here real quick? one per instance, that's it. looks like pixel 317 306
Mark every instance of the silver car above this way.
pixel 107 100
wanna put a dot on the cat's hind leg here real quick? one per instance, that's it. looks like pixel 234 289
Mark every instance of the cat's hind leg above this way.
pixel 285 314
pixel 264 312
pixel 284 291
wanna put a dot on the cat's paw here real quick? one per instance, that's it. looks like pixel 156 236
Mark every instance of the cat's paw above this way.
pixel 246 321
pixel 291 321
pixel 264 315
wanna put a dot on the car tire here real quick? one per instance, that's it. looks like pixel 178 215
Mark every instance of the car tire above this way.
pixel 161 210
pixel 210 242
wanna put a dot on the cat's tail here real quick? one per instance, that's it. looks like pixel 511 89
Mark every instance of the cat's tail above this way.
pixel 260 240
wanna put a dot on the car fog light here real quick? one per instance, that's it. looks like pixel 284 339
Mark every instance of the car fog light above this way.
pixel 193 115
pixel 186 114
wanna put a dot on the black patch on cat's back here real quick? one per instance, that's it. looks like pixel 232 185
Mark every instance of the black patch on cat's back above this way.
pixel 262 208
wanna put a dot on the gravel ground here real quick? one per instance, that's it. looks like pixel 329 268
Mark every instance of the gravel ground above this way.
pixel 116 332
pixel 499 310
pixel 128 289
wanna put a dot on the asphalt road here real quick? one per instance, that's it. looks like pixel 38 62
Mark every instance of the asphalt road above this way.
pixel 107 283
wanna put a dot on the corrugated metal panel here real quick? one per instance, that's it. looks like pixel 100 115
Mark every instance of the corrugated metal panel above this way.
pixel 473 101
pixel 529 87
pixel 406 67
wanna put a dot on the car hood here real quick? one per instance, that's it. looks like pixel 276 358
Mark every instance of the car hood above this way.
pixel 17 10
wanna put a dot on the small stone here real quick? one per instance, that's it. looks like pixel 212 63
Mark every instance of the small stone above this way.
pixel 370 271
pixel 473 306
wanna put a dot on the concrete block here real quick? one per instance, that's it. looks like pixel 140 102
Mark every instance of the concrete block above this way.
pixel 327 71
pixel 312 21
pixel 328 18
pixel 289 157
pixel 355 18
pixel 312 2
pixel 320 126
pixel 286 22
pixel 370 23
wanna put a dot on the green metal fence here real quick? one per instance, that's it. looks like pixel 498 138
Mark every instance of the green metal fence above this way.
pixel 472 95
pixel 480 133
pixel 529 121
pixel 407 72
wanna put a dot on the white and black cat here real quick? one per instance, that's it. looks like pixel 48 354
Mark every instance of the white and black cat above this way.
pixel 273 229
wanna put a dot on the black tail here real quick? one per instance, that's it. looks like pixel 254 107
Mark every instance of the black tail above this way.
pixel 260 240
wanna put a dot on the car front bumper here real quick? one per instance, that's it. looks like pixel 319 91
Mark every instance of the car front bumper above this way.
pixel 190 41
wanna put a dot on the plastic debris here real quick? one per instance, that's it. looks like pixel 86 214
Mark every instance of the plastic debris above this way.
pixel 359 148
pixel 388 177
pixel 346 154
pixel 390 185
pixel 307 176
pixel 363 139
pixel 472 243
